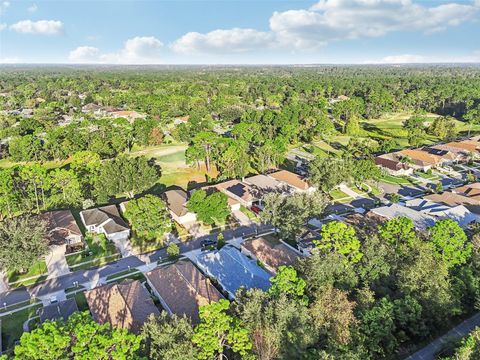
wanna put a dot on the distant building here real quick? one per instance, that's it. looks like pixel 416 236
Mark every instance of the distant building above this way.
pixel 129 115
pixel 182 288
pixel 125 305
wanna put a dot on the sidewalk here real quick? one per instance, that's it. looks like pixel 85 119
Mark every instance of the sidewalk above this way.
pixel 459 331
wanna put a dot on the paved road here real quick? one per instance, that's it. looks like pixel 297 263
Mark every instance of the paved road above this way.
pixel 429 351
pixel 84 276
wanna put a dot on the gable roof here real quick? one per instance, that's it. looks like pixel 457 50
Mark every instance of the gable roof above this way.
pixel 461 214
pixel 124 305
pixel 103 214
pixel 470 190
pixel 421 156
pixel 183 288
pixel 60 310
pixel 291 179
pixel 233 270
pixel 271 252
pixel 176 201
pixel 452 199
pixel 420 220
pixel 468 146
pixel 60 225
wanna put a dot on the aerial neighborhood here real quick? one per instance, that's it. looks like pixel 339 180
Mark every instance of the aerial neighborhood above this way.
pixel 217 222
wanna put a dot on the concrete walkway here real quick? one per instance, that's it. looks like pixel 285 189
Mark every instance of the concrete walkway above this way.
pixel 459 331
pixel 3 283
pixel 349 192
pixel 242 218
pixel 56 263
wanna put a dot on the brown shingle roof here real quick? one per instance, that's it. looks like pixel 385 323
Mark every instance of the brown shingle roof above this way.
pixel 124 305
pixel 183 288
pixel 271 252
pixel 60 224
pixel 176 200
pixel 291 179
pixel 469 146
pixel 422 156
pixel 453 199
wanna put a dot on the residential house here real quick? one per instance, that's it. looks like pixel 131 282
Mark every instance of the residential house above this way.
pixel 59 310
pixel 448 157
pixel 420 220
pixel 263 185
pixel 297 182
pixel 177 206
pixel 181 120
pixel 469 190
pixel 459 213
pixel 129 115
pixel 421 160
pixel 106 220
pixel 62 229
pixel 270 252
pixel 394 164
pixel 124 305
pixel 233 270
pixel 233 201
pixel 306 239
pixel 182 288
pixel 239 191
pixel 455 199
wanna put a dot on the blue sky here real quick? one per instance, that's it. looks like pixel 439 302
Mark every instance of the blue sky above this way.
pixel 237 32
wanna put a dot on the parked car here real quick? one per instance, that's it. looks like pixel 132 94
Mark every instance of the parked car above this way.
pixel 256 209
pixel 208 243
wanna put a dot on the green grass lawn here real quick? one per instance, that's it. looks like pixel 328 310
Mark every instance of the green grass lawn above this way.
pixel 396 180
pixel 336 194
pixel 251 215
pixel 98 245
pixel 80 300
pixel 36 270
pixel 12 326
pixel 427 176
pixel 141 245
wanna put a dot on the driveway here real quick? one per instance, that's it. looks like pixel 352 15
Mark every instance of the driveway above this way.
pixel 241 217
pixel 56 262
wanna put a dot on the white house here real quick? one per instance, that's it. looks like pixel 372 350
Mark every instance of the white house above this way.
pixel 106 220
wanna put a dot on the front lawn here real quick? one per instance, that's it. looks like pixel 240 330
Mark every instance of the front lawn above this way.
pixel 35 271
pixel 250 214
pixel 426 176
pixel 396 180
pixel 141 245
pixel 12 325
pixel 98 247
pixel 337 194
pixel 80 299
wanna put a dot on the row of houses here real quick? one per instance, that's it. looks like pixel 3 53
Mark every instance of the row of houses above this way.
pixel 406 161
pixel 247 192
pixel 184 286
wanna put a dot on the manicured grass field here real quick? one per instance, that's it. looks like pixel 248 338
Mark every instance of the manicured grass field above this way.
pixel 36 270
pixel 426 175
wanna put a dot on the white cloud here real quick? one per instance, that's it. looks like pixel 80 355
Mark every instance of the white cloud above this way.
pixel 233 40
pixel 43 27
pixel 32 8
pixel 4 5
pixel 3 26
pixel 84 54
pixel 418 59
pixel 331 20
pixel 138 50
pixel 9 60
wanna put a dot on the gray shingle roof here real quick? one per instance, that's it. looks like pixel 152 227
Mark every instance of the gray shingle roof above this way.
pixel 233 270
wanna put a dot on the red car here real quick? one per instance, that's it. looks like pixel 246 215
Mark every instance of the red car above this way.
pixel 256 209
